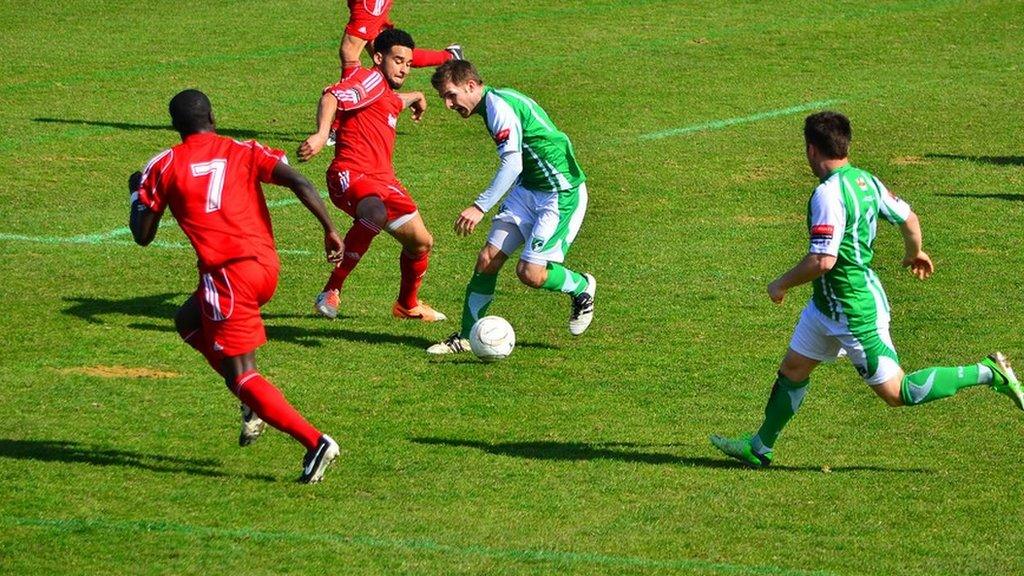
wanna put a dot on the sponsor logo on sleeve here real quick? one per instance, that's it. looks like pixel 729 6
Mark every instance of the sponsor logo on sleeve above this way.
pixel 821 235
pixel 822 231
pixel 502 136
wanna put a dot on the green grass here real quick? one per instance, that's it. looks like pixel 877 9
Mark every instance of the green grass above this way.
pixel 574 456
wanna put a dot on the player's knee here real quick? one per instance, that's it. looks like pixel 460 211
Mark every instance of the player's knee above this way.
pixel 530 276
pixel 426 244
pixel 890 391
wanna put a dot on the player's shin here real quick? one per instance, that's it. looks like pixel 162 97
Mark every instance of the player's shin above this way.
pixel 784 401
pixel 413 268
pixel 479 294
pixel 269 404
pixel 357 242
pixel 941 382
pixel 561 279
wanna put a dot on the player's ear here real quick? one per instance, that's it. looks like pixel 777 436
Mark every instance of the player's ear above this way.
pixel 378 58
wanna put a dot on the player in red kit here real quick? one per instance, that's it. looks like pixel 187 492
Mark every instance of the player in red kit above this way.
pixel 212 186
pixel 361 179
pixel 367 19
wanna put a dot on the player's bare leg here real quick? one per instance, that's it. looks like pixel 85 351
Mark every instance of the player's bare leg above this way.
pixel 554 277
pixel 245 382
pixel 371 216
pixel 417 243
pixel 189 324
pixel 479 294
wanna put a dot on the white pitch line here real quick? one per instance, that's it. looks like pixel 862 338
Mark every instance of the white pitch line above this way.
pixel 719 124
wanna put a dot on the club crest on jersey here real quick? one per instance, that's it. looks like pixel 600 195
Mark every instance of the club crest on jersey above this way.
pixel 862 183
pixel 392 120
pixel 502 136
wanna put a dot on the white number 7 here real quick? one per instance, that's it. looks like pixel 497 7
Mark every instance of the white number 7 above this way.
pixel 215 169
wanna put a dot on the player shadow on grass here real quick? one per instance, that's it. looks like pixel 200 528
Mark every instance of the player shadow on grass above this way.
pixel 994 160
pixel 229 132
pixel 575 451
pixel 76 452
pixel 153 306
pixel 314 337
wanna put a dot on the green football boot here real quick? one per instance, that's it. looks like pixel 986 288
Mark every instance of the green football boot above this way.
pixel 1004 380
pixel 740 449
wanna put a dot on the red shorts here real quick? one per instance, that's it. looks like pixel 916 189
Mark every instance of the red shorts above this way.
pixel 348 188
pixel 230 298
pixel 367 18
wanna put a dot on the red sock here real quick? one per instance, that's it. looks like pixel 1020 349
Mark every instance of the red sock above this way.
pixel 413 269
pixel 357 242
pixel 197 340
pixel 429 58
pixel 269 404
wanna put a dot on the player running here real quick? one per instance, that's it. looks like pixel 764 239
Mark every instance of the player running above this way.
pixel 361 179
pixel 848 310
pixel 212 186
pixel 367 19
pixel 546 202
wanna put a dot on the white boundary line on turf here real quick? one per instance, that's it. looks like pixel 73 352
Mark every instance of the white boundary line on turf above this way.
pixel 112 237
pixel 719 124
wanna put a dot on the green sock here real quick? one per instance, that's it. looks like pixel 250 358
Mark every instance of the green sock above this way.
pixel 479 294
pixel 942 382
pixel 561 279
pixel 783 403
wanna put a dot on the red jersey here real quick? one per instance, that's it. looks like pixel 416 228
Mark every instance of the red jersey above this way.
pixel 212 186
pixel 367 116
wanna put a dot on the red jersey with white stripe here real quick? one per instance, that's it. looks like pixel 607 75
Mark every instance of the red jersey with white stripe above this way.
pixel 212 186
pixel 367 117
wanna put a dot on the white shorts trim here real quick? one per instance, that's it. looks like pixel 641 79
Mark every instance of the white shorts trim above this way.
pixel 401 221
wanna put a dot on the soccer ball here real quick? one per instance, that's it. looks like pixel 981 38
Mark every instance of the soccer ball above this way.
pixel 492 338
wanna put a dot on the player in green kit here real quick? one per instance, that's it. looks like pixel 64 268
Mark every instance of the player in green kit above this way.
pixel 544 207
pixel 848 310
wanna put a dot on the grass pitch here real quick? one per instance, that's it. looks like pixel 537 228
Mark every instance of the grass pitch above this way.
pixel 576 456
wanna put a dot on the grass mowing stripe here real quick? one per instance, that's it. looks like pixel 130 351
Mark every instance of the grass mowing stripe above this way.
pixel 719 124
pixel 527 555
pixel 95 240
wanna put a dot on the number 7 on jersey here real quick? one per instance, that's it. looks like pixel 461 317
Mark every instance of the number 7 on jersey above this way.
pixel 215 169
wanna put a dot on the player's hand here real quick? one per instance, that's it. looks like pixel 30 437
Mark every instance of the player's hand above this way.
pixel 776 292
pixel 920 265
pixel 334 247
pixel 467 220
pixel 134 182
pixel 418 107
pixel 311 147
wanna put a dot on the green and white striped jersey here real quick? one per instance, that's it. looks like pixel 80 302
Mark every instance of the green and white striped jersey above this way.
pixel 518 124
pixel 842 216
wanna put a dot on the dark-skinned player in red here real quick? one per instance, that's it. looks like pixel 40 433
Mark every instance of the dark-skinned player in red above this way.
pixel 212 186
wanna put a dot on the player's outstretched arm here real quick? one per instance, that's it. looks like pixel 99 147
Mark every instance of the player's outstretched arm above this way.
pixel 285 175
pixel 915 258
pixel 810 268
pixel 414 101
pixel 325 112
pixel 504 179
pixel 142 221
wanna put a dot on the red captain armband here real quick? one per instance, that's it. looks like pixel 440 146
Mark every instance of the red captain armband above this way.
pixel 502 136
pixel 822 231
